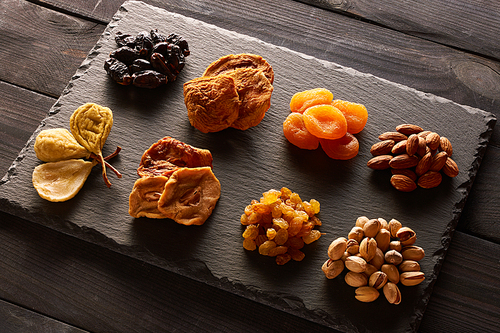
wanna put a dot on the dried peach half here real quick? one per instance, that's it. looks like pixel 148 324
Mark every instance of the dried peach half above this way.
pixel 325 121
pixel 305 99
pixel 355 114
pixel 296 133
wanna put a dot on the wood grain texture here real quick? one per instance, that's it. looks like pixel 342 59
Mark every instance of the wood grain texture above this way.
pixel 14 318
pixel 469 25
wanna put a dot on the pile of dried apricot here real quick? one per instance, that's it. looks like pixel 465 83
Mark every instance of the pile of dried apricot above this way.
pixel 316 119
pixel 279 224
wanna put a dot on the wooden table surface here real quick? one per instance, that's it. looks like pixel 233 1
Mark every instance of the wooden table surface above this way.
pixel 52 282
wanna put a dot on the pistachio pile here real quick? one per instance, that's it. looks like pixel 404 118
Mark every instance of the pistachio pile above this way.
pixel 378 255
pixel 415 157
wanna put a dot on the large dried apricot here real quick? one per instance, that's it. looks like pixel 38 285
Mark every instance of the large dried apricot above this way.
pixel 296 132
pixel 355 114
pixel 305 99
pixel 325 122
pixel 344 148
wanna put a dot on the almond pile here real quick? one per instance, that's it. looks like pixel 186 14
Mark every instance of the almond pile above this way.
pixel 415 157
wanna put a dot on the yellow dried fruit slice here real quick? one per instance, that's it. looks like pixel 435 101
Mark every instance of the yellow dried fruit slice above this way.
pixel 143 200
pixel 58 144
pixel 190 195
pixel 90 125
pixel 62 180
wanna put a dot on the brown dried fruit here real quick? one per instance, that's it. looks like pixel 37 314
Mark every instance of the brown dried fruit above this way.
pixel 190 195
pixel 403 183
pixel 212 102
pixel 143 200
pixel 231 62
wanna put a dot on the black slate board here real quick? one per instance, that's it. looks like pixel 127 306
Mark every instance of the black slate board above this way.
pixel 250 162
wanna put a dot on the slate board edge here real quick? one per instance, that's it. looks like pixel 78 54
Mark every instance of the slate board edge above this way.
pixel 204 275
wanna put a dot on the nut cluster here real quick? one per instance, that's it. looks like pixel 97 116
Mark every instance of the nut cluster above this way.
pixel 378 255
pixel 415 157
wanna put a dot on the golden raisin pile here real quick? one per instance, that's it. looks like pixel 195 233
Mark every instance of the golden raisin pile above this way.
pixel 279 224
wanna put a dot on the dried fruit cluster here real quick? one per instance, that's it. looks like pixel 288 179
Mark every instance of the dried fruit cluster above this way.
pixel 147 60
pixel 280 224
pixel 415 157
pixel 316 119
pixel 65 172
pixel 378 255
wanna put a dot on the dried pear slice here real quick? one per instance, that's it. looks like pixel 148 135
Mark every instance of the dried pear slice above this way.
pixel 190 195
pixel 56 144
pixel 90 125
pixel 62 180
pixel 143 200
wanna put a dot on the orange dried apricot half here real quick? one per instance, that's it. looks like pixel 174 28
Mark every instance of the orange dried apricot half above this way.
pixel 325 121
pixel 355 114
pixel 344 148
pixel 305 99
pixel 297 134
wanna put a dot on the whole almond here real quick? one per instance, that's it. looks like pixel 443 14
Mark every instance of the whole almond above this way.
pixel 450 168
pixel 403 183
pixel 445 145
pixel 411 278
pixel 424 134
pixel 408 129
pixel 399 147
pixel 433 140
pixel 422 146
pixel 412 145
pixel 430 179
pixel 424 164
pixel 382 147
pixel 337 248
pixel 356 280
pixel 396 136
pixel 332 268
pixel 438 161
pixel 380 162
pixel 403 161
pixel 392 293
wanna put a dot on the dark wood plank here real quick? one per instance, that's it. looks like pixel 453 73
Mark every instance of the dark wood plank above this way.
pixel 43 48
pixel 14 318
pixel 469 276
pixel 21 113
pixel 472 25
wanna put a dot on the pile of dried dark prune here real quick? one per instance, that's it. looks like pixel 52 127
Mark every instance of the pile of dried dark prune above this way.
pixel 147 60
